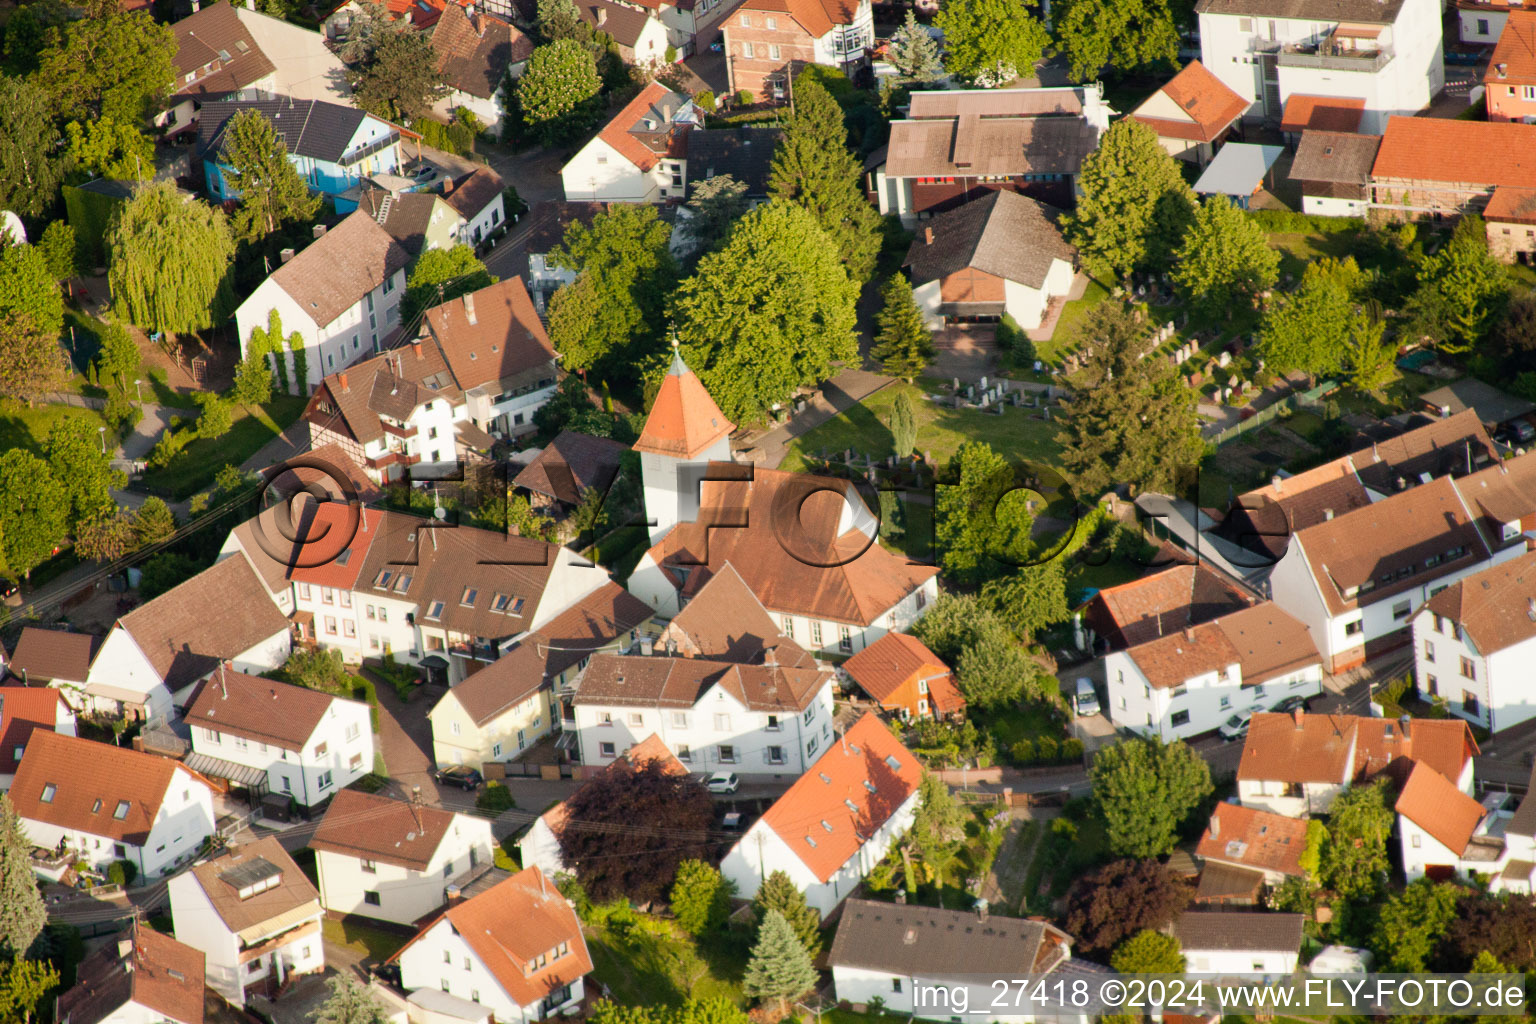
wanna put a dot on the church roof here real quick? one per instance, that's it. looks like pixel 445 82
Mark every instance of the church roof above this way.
pixel 684 422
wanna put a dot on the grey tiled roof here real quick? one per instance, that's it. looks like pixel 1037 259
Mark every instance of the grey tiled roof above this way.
pixel 1002 233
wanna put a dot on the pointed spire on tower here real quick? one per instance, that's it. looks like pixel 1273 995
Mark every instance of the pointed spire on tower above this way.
pixel 684 421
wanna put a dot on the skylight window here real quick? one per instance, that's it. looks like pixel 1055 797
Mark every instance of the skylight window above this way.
pixel 49 791
pixel 825 777
pixel 344 557
pixel 96 807
pixel 810 841
pixel 825 826
pixel 435 610
pixel 470 594
pixel 870 786
pixel 895 764
pixel 499 602
pixel 851 806
pixel 403 583
pixel 382 580
pixel 121 812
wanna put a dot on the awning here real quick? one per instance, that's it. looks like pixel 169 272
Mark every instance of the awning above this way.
pixel 280 923
pixel 1238 170
pixel 117 693
pixel 433 661
pixel 435 1001
pixel 218 768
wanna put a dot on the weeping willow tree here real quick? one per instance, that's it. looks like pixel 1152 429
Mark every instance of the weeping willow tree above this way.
pixel 170 261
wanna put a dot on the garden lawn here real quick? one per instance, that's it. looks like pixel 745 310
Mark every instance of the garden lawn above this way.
pixel 1063 340
pixel 21 427
pixel 374 943
pixel 661 965
pixel 198 463
pixel 940 431
pixel 1007 726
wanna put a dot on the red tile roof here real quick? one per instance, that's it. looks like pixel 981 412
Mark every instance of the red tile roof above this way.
pixel 1509 203
pixel 89 781
pixel 1515 50
pixel 1446 745
pixel 684 420
pixel 158 973
pixel 815 16
pixel 853 789
pixel 882 667
pixel 260 709
pixel 1433 803
pixel 1298 748
pixel 23 710
pixel 616 131
pixel 1469 152
pixel 1493 607
pixel 1161 603
pixel 376 827
pixel 1206 99
pixel 1256 839
pixel 1321 113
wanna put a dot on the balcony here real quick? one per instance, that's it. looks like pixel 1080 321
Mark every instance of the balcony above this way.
pixel 1336 53
pixel 397 431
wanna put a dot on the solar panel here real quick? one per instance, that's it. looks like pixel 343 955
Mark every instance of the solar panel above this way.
pixel 244 876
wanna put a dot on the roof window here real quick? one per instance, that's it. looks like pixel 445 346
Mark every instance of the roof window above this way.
pixel 382 579
pixel 895 764
pixel 470 594
pixel 825 826
pixel 48 793
pixel 435 610
pixel 121 811
pixel 499 602
pixel 403 583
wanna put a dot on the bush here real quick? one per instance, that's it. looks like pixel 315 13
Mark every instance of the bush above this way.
pixel 705 101
pixel 1046 748
pixel 744 98
pixel 1012 339
pixel 1023 752
pixel 1302 223
pixel 671 55
pixel 495 797
pixel 122 872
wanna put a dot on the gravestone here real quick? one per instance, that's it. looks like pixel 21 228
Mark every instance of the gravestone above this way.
pixel 1225 359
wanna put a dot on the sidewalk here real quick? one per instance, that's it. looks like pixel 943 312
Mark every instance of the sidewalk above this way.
pixel 837 395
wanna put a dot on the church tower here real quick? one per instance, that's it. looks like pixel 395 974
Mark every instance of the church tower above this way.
pixel 683 434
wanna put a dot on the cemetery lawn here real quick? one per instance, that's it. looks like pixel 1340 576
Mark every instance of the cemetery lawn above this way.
pixel 940 430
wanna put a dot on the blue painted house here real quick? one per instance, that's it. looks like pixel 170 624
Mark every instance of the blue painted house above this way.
pixel 333 146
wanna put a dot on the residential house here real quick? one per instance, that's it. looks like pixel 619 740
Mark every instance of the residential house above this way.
pixel 1296 764
pixel 341 294
pixel 332 146
pixel 826 582
pixel 216 59
pixel 394 860
pixel 270 737
pixel 570 466
pixel 1481 22
pixel 1444 833
pixel 745 153
pixel 1239 942
pixel 637 29
pixel 539 847
pixel 159 651
pixel 1257 845
pixel 1435 167
pixel 139 977
pixel 1171 597
pixel 507 706
pixel 419 221
pixel 1473 645
pixel 480 199
pixel 101 803
pixel 836 822
pixel 995 256
pixel 547 222
pixel 1510 220
pixel 1510 79
pixel 514 952
pixel 475 52
pixel 693 26
pixel 1492 406
pixel 955 144
pixel 640 156
pixel 307 69
pixel 904 678
pixel 1385 52
pixel 23 711
pixel 419 15
pixel 1193 113
pixel 326 472
pixel 724 621
pixel 255 917
pixel 1305 113
pixel 1191 680
pixel 883 952
pixel 1334 171
pixel 59 658
pixel 768 41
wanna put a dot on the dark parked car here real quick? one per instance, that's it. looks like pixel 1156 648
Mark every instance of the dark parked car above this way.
pixel 1517 432
pixel 459 775
pixel 8 588
pixel 1290 704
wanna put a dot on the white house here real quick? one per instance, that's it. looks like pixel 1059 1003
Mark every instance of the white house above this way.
pixel 23 711
pixel 1191 680
pixel 217 58
pixel 631 160
pixel 836 822
pixel 637 29
pixel 140 977
pixel 1192 113
pixel 102 803
pixel 255 917
pixel 997 255
pixel 480 199
pixel 56 658
pixel 884 951
pixel 275 738
pixel 1387 54
pixel 1444 833
pixel 1334 170
pixel 161 649
pixel 1236 942
pixel 394 860
pixel 514 952
pixel 341 294
pixel 475 52
pixel 828 584
pixel 714 716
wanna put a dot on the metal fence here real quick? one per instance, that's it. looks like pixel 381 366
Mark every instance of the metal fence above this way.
pixel 1268 413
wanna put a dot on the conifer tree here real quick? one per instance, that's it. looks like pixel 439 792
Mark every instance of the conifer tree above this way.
pixel 780 968
pixel 779 893
pixel 903 344
pixel 271 192
pixel 22 914
pixel 350 1003
pixel 814 169
pixel 903 425
pixel 914 53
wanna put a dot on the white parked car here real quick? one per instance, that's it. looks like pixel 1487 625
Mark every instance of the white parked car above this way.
pixel 1236 727
pixel 723 782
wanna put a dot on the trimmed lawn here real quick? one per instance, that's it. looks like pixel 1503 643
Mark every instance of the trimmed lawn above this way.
pixel 1021 722
pixel 199 462
pixel 374 943
pixel 1063 340
pixel 21 427
pixel 655 963
pixel 940 431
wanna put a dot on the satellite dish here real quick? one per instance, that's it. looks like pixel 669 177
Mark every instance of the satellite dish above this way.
pixel 440 513
pixel 11 228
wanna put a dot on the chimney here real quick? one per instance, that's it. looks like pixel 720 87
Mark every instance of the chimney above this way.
pixel 1502 69
pixel 1297 714
pixel 416 347
pixel 447 185
pixel 1189 634
pixel 319 231
pixel 1277 482
pixel 469 309
pixel 1327 513
pixel 671 647
pixel 647 646
pixel 602 17
pixel 1402 723
pixel 286 255
pixel 274 693
pixel 927 236
pixel 197 5
pixel 981 910
pixel 1215 825
pixel 344 386
pixel 454 894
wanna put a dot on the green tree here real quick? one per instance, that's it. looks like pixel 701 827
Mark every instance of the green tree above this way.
pixel 350 1003
pixel 558 94
pixel 1148 952
pixel 442 275
pixel 34 511
pixel 22 913
pixel 1368 360
pixel 903 344
pixel 1031 597
pixel 30 163
pixel 29 290
pixel 75 457
pixel 1311 858
pixel 1133 205
pixel 770 312
pixel 981 518
pixel 1145 789
pixel 24 984
pixel 1129 34
pixel 1410 924
pixel 1131 420
pixel 257 168
pixel 991 42
pixel 120 66
pixel 693 1011
pixel 701 897
pixel 58 248
pixel 779 969
pixel 108 148
pixel 165 571
pixel 1486 963
pixel 779 893
pixel 399 79
pixel 1461 289
pixel 117 361
pixel 938 828
pixel 914 53
pixel 614 320
pixel 814 169
pixel 27 34
pixel 107 539
pixel 253 381
pixel 991 668
pixel 269 341
pixel 558 19
pixel 716 204
pixel 155 522
pixel 903 425
pixel 1355 862
pixel 1225 256
pixel 1308 329
pixel 170 261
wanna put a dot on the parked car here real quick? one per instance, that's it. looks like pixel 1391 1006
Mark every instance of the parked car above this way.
pixel 460 775
pixel 1517 432
pixel 9 588
pixel 1085 700
pixel 723 782
pixel 1290 704
pixel 1236 727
